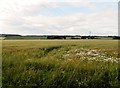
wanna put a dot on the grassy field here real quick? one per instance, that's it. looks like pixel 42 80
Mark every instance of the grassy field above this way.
pixel 60 64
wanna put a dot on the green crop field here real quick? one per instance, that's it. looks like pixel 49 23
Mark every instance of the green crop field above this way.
pixel 60 64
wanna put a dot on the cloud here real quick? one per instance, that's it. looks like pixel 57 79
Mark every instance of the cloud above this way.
pixel 25 18
pixel 84 4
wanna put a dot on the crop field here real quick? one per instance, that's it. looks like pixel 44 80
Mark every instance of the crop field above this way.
pixel 60 64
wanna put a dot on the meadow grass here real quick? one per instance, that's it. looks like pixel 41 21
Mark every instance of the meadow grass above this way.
pixel 60 64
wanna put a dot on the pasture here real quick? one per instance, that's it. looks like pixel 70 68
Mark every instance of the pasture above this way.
pixel 60 63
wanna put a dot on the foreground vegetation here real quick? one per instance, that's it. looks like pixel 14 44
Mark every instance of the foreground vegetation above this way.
pixel 60 64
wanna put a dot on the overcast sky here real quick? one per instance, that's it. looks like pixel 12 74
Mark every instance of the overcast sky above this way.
pixel 100 17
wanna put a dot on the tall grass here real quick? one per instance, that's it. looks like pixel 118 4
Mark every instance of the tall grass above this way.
pixel 55 64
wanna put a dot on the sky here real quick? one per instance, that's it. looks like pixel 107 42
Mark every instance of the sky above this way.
pixel 59 17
